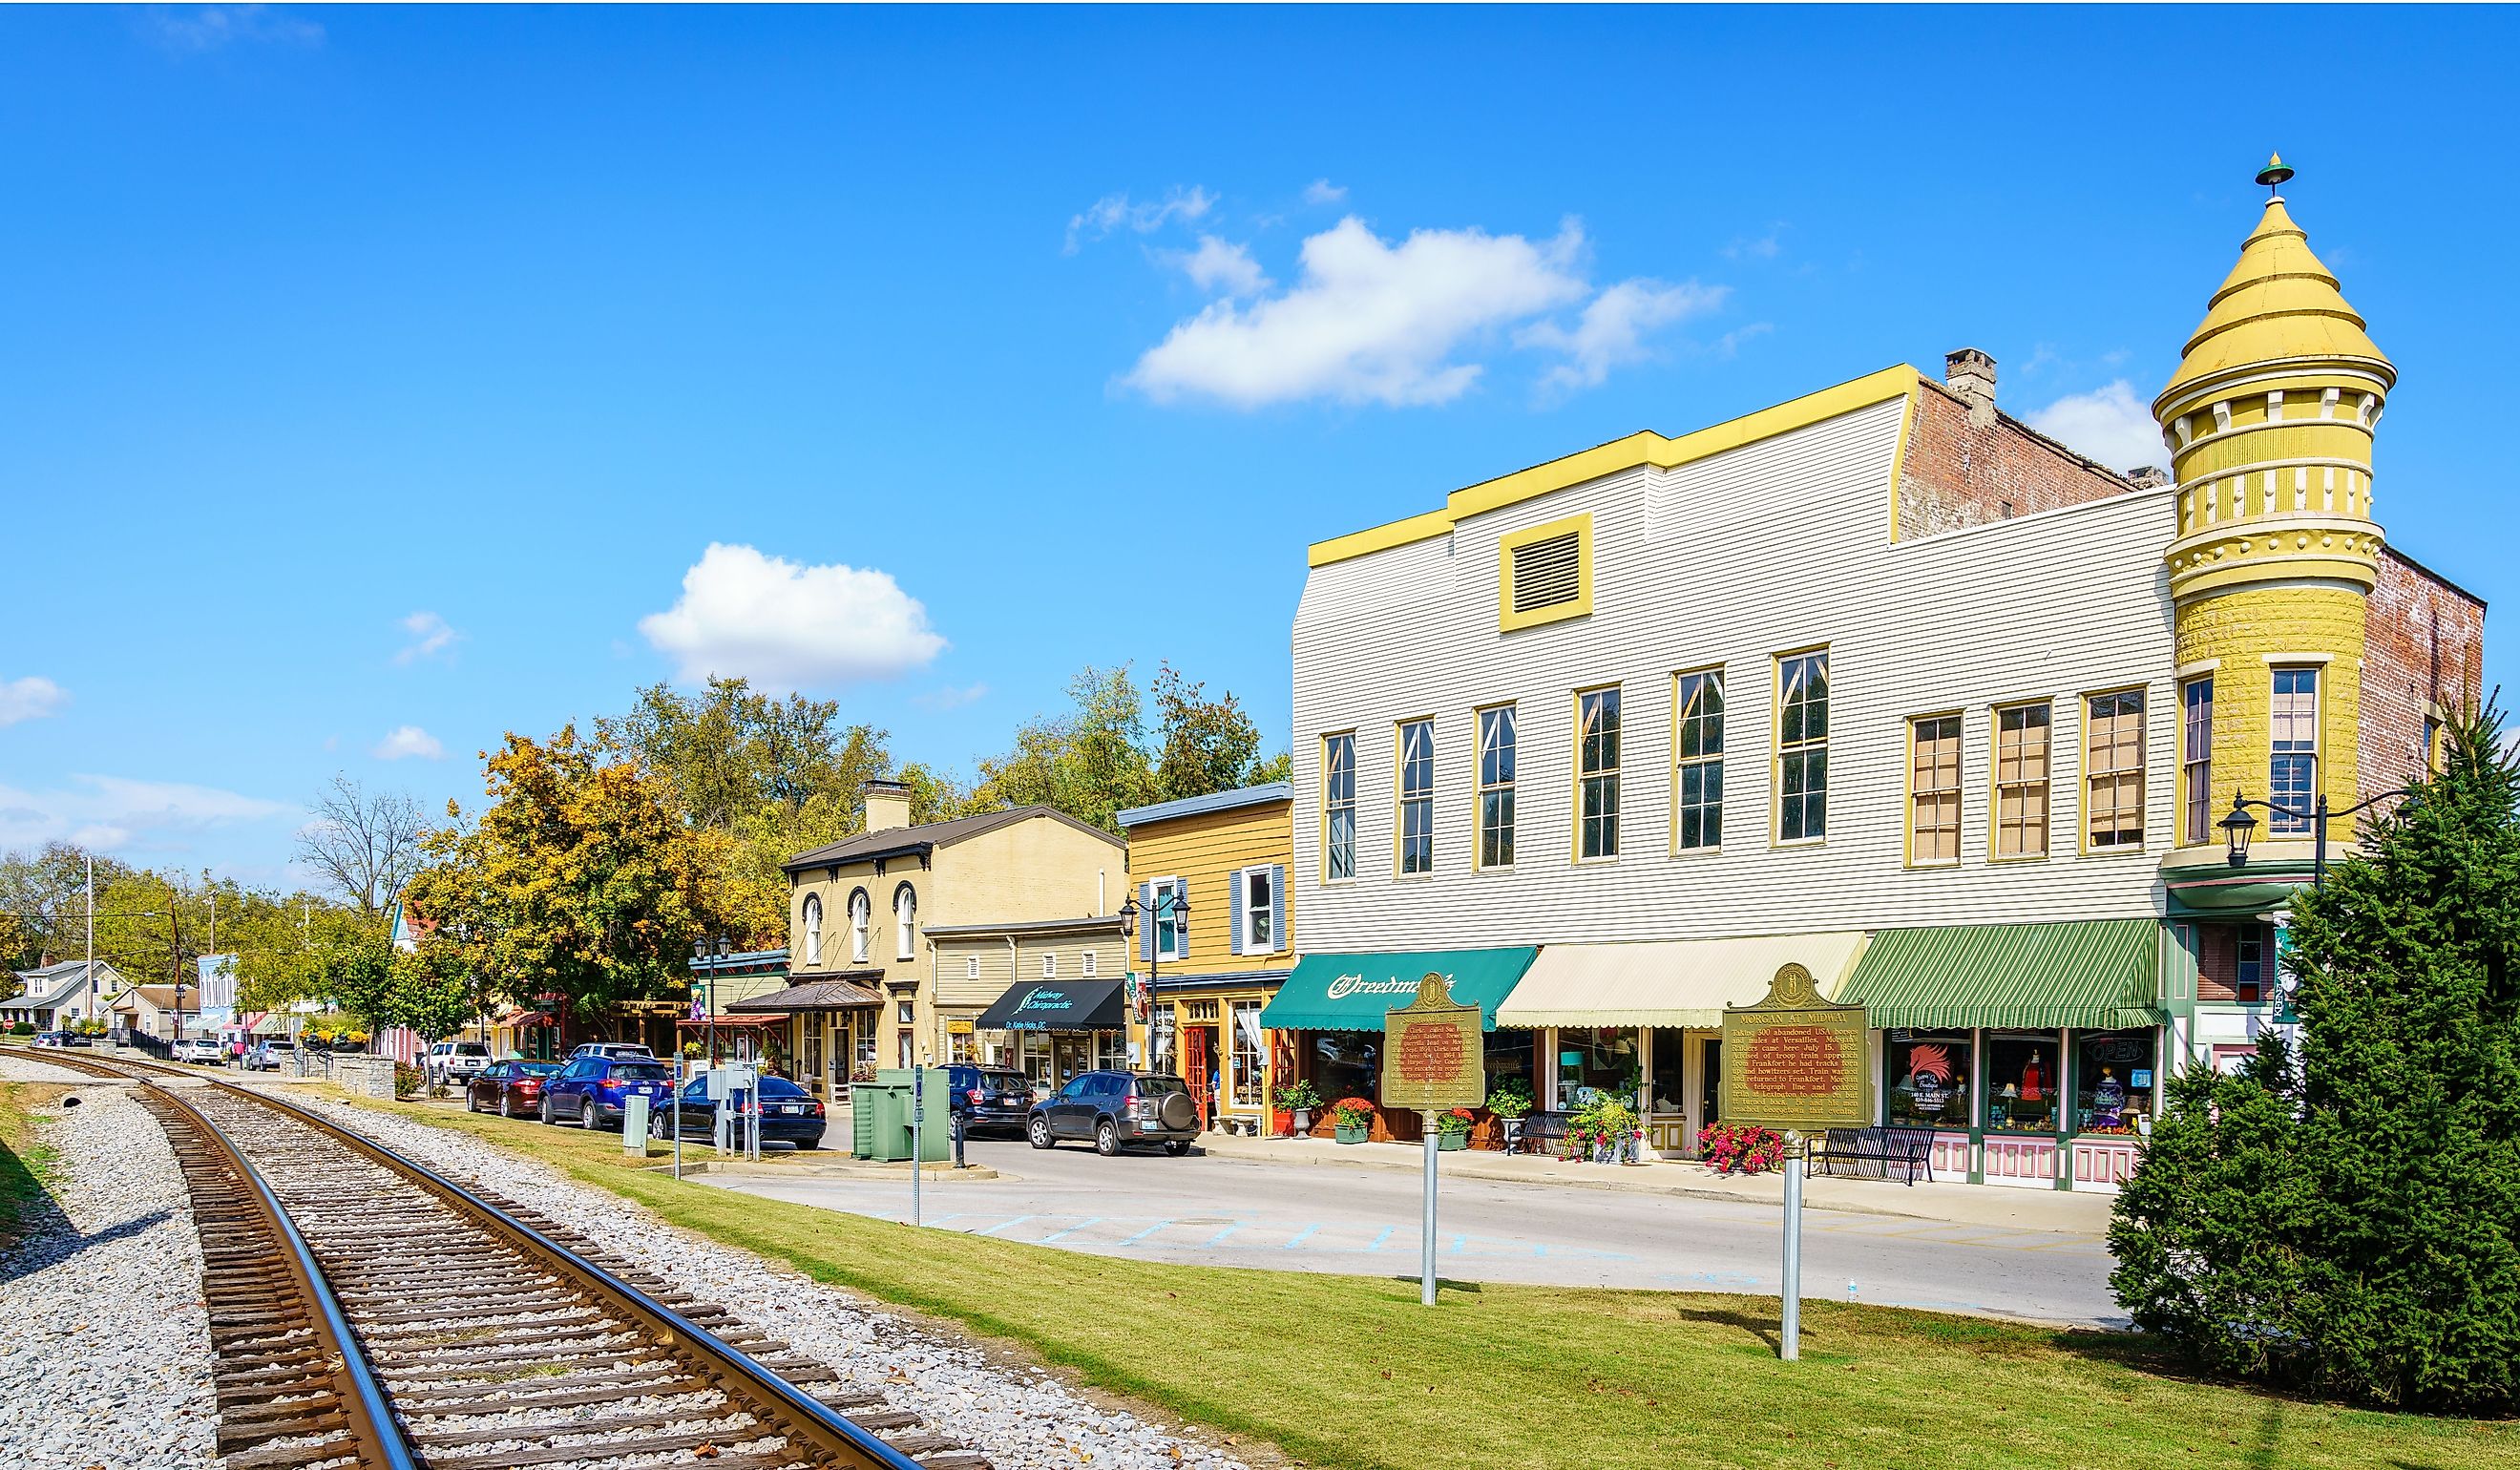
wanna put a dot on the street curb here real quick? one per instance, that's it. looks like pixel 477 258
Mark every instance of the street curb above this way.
pixel 934 1174
pixel 1334 1156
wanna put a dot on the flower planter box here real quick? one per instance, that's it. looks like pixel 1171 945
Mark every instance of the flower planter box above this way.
pixel 1346 1134
pixel 1281 1122
pixel 1451 1142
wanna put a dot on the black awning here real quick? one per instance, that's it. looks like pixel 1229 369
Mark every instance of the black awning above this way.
pixel 1060 1006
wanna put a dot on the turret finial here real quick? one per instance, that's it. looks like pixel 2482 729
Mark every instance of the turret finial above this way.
pixel 2274 173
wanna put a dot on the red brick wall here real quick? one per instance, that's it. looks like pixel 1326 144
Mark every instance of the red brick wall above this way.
pixel 1959 474
pixel 2423 651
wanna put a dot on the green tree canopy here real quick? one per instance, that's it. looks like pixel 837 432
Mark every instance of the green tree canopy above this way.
pixel 1096 758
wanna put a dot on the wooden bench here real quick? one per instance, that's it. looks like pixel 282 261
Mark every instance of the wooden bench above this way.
pixel 1876 1151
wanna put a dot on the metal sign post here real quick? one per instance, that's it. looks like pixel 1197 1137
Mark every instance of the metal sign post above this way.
pixel 917 1120
pixel 678 1118
pixel 1789 1327
pixel 1433 1060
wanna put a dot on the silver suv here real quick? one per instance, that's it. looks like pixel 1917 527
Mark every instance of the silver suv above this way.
pixel 456 1062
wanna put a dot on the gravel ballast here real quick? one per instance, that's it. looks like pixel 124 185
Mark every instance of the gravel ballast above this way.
pixel 106 1355
pixel 1020 1419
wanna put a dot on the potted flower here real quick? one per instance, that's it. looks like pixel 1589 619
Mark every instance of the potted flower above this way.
pixel 1352 1121
pixel 1295 1104
pixel 1740 1148
pixel 1453 1130
pixel 1510 1100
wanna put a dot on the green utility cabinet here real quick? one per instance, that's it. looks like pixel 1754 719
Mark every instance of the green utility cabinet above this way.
pixel 882 1125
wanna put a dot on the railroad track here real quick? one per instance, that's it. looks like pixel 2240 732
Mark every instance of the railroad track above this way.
pixel 366 1310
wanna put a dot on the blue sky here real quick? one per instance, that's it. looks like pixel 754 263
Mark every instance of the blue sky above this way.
pixel 373 382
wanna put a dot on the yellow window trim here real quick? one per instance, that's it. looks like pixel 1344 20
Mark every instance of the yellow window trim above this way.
pixel 1995 784
pixel 1671 843
pixel 2143 767
pixel 1397 726
pixel 1478 787
pixel 1322 804
pixel 1575 770
pixel 1507 619
pixel 1907 790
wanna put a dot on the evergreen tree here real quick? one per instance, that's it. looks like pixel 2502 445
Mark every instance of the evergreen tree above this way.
pixel 2355 1228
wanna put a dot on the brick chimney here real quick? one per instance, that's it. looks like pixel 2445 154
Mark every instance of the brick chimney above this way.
pixel 887 805
pixel 1971 374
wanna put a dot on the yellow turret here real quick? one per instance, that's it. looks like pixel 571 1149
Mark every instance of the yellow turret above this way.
pixel 2269 421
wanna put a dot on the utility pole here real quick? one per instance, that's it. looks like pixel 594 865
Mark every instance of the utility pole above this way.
pixel 90 1013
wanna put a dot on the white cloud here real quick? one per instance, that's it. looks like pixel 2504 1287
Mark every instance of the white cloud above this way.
pixel 32 697
pixel 1369 322
pixel 113 811
pixel 1612 330
pixel 2109 424
pixel 1323 192
pixel 789 625
pixel 212 27
pixel 407 741
pixel 1220 265
pixel 1757 247
pixel 1117 211
pixel 429 636
pixel 951 698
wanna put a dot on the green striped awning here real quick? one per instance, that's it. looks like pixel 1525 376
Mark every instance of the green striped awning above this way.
pixel 2102 974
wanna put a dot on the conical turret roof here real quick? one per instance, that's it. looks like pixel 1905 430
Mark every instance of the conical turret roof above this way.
pixel 2278 304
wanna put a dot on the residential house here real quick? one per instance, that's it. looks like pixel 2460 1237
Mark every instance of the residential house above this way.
pixel 57 995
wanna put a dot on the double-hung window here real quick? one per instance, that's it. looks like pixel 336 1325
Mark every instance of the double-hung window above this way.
pixel 1597 774
pixel 1934 790
pixel 1259 910
pixel 1172 929
pixel 1338 806
pixel 1496 787
pixel 2292 765
pixel 861 921
pixel 2113 769
pixel 1698 759
pixel 1802 746
pixel 2196 756
pixel 1416 758
pixel 2021 749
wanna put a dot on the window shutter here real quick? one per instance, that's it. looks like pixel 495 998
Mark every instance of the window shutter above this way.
pixel 1241 904
pixel 1282 922
pixel 1547 573
pixel 1146 922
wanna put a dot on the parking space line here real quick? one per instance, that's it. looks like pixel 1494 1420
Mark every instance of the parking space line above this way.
pixel 1300 1236
pixel 1003 1224
pixel 1070 1231
pixel 1143 1234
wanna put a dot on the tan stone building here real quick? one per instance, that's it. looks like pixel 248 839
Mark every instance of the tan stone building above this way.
pixel 861 975
pixel 1044 996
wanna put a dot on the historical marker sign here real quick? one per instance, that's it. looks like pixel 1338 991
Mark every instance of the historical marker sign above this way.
pixel 1795 1060
pixel 1433 1053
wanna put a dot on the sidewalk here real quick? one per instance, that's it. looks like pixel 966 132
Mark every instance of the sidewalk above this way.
pixel 1953 1203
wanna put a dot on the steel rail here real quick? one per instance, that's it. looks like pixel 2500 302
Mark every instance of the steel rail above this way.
pixel 827 1432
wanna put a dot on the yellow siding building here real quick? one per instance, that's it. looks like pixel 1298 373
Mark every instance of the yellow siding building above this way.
pixel 1213 939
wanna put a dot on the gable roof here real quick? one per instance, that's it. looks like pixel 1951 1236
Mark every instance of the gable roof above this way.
pixel 1213 801
pixel 900 841
pixel 162 997
pixel 49 987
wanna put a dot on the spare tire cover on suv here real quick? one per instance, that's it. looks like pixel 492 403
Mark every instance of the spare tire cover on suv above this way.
pixel 1178 1112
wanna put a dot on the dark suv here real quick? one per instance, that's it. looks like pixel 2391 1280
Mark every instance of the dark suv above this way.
pixel 988 1096
pixel 1117 1108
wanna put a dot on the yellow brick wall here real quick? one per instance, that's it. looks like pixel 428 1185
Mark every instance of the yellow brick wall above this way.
pixel 2239 630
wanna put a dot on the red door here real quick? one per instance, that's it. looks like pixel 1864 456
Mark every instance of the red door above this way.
pixel 1195 1049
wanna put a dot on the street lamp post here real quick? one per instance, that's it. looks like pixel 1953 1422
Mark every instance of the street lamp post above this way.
pixel 2240 827
pixel 1173 904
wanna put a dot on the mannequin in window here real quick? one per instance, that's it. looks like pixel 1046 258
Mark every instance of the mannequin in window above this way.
pixel 2034 1087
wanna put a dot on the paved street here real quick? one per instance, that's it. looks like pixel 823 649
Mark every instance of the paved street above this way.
pixel 1229 1212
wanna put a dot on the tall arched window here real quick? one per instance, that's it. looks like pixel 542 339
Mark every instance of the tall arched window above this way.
pixel 905 923
pixel 813 929
pixel 860 913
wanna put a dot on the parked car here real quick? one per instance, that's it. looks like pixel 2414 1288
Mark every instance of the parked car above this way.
pixel 201 1048
pixel 269 1054
pixel 612 1050
pixel 1116 1109
pixel 594 1091
pixel 988 1096
pixel 62 1038
pixel 510 1089
pixel 456 1061
pixel 788 1113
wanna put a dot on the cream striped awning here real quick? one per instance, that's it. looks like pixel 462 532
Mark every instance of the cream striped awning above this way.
pixel 1668 982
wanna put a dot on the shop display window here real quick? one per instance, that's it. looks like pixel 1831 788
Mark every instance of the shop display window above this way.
pixel 1926 1077
pixel 1595 1059
pixel 1347 1064
pixel 1508 1059
pixel 2022 1081
pixel 2113 1079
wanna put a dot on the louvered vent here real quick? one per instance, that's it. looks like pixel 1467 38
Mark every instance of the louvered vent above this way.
pixel 1547 573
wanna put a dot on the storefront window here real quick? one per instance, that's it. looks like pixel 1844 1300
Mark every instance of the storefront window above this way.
pixel 1670 1090
pixel 1159 1039
pixel 2022 1083
pixel 2112 1079
pixel 1594 1059
pixel 1928 1076
pixel 1508 1059
pixel 1250 1062
pixel 1346 1064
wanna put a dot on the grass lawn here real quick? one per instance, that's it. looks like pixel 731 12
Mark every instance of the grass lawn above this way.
pixel 26 1163
pixel 1351 1373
